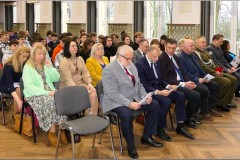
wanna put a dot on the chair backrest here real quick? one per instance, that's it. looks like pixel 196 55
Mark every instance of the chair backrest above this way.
pixel 1 72
pixel 99 89
pixel 71 100
pixel 21 88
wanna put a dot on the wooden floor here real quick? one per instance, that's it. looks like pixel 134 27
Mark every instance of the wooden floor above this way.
pixel 214 140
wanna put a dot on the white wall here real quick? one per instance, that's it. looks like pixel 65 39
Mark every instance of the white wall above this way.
pixel 186 12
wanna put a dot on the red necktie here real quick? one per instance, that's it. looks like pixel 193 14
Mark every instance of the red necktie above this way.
pixel 130 75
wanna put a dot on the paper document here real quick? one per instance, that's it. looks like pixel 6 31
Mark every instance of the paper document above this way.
pixel 174 89
pixel 208 77
pixel 237 69
pixel 235 62
pixel 16 85
pixel 146 97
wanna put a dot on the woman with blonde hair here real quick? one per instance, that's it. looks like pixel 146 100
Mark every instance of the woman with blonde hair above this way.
pixel 12 72
pixel 38 77
pixel 75 73
pixel 96 63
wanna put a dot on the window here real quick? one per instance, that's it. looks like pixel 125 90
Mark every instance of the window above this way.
pixel 36 14
pixel 66 14
pixel 158 14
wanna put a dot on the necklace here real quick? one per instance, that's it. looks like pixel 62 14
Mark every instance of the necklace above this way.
pixel 75 64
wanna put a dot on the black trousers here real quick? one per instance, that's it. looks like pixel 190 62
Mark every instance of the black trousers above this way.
pixel 126 116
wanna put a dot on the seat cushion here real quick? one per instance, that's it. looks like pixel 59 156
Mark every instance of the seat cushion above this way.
pixel 88 125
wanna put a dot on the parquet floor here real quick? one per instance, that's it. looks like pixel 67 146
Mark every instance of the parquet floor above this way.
pixel 219 139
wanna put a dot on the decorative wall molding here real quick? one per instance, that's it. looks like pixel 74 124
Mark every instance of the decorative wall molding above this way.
pixel 118 28
pixel 178 31
pixel 74 28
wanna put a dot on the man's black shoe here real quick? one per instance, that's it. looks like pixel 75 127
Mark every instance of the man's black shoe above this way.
pixel 184 132
pixel 151 141
pixel 132 152
pixel 163 135
pixel 113 120
pixel 231 105
pixel 196 121
pixel 190 124
pixel 222 108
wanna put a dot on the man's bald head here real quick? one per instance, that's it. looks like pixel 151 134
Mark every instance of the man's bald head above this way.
pixel 188 46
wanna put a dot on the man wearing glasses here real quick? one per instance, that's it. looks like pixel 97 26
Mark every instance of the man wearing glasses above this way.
pixel 141 51
pixel 122 94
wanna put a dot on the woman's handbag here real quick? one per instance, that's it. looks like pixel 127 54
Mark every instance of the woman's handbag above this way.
pixel 26 124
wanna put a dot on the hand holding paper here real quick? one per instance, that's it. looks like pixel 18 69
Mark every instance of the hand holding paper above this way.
pixel 235 62
pixel 208 77
pixel 146 97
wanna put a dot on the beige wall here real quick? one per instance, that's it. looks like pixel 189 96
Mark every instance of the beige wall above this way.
pixel 79 12
pixel 46 12
pixel 186 12
pixel 123 12
pixel 2 12
pixel 21 11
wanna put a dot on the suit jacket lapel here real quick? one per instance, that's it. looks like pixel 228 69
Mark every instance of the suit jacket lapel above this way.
pixel 122 72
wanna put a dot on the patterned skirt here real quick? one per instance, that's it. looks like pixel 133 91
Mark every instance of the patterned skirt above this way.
pixel 44 108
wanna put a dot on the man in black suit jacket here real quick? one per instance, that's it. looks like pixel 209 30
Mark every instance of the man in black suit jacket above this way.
pixel 152 81
pixel 192 68
pixel 173 74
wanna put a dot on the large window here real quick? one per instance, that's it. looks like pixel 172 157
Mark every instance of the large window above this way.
pixel 158 14
pixel 226 15
pixel 223 15
pixel 36 14
pixel 66 14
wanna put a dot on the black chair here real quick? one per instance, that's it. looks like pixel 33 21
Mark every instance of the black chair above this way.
pixel 2 96
pixel 74 99
pixel 99 89
pixel 26 104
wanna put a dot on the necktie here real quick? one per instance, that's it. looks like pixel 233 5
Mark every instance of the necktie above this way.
pixel 130 75
pixel 154 71
pixel 178 71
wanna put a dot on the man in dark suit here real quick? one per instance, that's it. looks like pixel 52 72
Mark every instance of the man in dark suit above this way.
pixel 122 93
pixel 191 66
pixel 173 74
pixel 151 79
pixel 141 51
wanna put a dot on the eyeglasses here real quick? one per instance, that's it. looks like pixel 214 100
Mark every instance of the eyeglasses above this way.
pixel 128 59
pixel 145 46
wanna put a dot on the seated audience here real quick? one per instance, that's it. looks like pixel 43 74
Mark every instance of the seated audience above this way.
pixel 228 83
pixel 12 72
pixel 74 72
pixel 38 77
pixel 96 63
pixel 121 87
pixel 13 46
pixel 218 57
pixel 86 49
pixel 141 51
pixel 150 77
pixel 225 47
pixel 163 40
pixel 109 49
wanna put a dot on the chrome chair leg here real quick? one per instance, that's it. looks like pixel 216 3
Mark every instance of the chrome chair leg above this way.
pixel 170 116
pixel 3 113
pixel 112 142
pixel 73 145
pixel 93 144
pixel 120 136
pixel 100 138
pixel 58 141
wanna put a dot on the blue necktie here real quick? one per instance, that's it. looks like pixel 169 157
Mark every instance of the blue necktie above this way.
pixel 178 71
